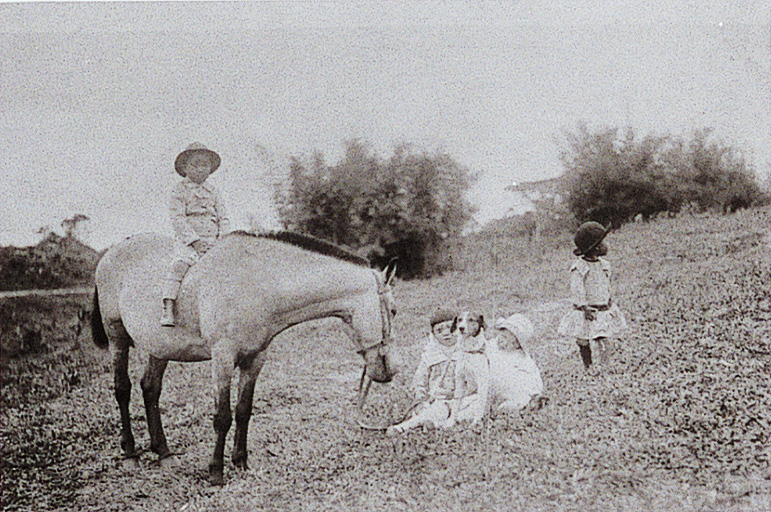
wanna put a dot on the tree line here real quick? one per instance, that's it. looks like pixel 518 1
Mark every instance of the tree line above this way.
pixel 411 204
pixel 613 176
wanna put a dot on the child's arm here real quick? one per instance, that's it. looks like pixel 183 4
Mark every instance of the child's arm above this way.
pixel 578 290
pixel 420 382
pixel 222 215
pixel 182 228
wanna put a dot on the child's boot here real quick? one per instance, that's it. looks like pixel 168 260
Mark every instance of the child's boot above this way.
pixel 170 291
pixel 167 315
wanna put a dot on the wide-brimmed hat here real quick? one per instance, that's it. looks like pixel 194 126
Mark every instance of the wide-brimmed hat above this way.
pixel 589 235
pixel 442 315
pixel 518 325
pixel 192 149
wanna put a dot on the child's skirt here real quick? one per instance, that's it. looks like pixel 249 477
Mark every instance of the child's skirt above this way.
pixel 606 324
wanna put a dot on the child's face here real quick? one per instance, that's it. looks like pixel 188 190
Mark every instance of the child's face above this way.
pixel 198 168
pixel 443 333
pixel 507 340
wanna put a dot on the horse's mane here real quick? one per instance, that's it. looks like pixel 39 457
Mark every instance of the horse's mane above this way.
pixel 310 243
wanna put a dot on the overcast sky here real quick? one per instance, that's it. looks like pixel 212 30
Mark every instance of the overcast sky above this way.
pixel 97 99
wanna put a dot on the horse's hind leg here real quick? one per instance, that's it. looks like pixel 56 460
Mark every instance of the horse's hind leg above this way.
pixel 123 394
pixel 223 364
pixel 151 392
pixel 249 370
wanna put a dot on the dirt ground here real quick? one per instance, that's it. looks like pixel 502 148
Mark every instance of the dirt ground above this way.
pixel 678 419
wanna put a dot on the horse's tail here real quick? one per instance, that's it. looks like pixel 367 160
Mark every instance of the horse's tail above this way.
pixel 98 333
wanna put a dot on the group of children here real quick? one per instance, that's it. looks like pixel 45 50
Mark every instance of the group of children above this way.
pixel 455 384
pixel 457 377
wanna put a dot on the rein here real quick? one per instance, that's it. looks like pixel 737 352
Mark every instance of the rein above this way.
pixel 385 318
pixel 385 323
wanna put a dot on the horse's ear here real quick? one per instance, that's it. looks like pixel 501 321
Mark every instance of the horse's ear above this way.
pixel 390 271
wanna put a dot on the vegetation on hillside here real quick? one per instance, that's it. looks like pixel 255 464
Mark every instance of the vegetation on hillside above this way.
pixel 55 262
pixel 612 176
pixel 405 206
pixel 677 419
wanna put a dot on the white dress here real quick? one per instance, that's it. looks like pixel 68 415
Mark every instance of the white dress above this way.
pixel 590 286
pixel 514 377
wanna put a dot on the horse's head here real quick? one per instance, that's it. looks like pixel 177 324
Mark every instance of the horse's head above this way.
pixel 379 365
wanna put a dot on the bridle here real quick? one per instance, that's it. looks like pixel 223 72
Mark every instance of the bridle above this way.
pixel 385 318
pixel 385 322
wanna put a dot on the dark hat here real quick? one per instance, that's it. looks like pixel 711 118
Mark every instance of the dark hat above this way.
pixel 589 235
pixel 192 149
pixel 442 315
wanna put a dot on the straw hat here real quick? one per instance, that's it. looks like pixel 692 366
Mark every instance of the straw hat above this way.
pixel 192 149
pixel 589 235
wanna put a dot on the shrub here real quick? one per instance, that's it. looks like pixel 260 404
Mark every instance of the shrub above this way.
pixel 405 207
pixel 613 177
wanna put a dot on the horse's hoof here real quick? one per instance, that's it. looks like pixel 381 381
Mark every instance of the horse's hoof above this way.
pixel 216 476
pixel 241 464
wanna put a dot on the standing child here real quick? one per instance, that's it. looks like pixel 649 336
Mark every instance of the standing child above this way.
pixel 197 215
pixel 594 317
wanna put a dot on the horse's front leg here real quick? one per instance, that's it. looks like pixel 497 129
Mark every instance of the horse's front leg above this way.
pixel 249 370
pixel 151 392
pixel 223 365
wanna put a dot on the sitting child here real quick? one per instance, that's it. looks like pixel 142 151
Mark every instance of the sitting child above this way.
pixel 515 378
pixel 450 383
pixel 472 381
pixel 198 217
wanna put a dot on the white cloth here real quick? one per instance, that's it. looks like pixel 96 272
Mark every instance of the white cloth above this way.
pixel 590 285
pixel 514 377
pixel 472 381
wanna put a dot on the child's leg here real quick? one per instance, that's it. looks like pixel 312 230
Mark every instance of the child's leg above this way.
pixel 434 414
pixel 184 257
pixel 174 279
pixel 586 352
pixel 602 349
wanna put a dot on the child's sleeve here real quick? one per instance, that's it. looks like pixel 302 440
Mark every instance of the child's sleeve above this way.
pixel 577 288
pixel 222 215
pixel 420 381
pixel 182 228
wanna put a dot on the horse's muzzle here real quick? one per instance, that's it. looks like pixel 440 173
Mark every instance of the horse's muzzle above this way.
pixel 378 364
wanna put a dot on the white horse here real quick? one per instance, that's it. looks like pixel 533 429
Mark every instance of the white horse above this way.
pixel 232 303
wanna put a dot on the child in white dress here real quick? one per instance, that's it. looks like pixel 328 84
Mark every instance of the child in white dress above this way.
pixel 594 317
pixel 515 379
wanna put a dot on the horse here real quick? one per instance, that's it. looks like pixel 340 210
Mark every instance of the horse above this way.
pixel 232 303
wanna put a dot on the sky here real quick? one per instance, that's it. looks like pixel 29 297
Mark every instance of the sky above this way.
pixel 97 99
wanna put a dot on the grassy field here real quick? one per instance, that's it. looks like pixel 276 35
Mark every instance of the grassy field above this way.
pixel 678 419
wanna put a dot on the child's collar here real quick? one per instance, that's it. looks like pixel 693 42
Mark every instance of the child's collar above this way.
pixel 190 182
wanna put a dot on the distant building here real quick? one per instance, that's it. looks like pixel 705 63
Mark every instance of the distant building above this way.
pixel 546 199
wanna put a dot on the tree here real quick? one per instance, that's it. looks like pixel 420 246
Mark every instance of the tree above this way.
pixel 71 225
pixel 614 176
pixel 406 206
